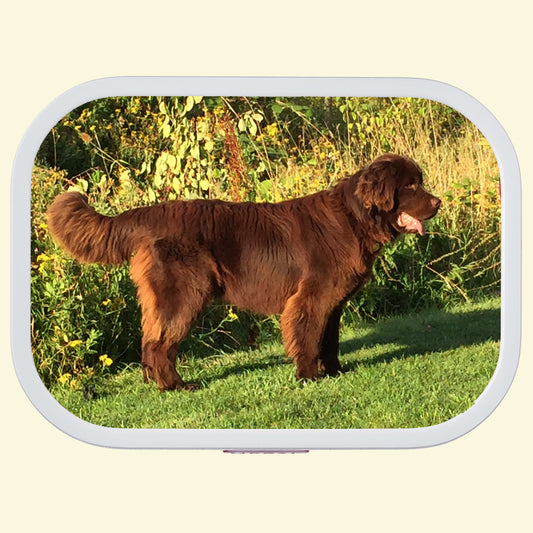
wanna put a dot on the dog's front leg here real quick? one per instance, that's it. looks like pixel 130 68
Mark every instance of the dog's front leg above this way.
pixel 328 358
pixel 302 325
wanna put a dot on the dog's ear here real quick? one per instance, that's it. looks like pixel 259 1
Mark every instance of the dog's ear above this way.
pixel 377 185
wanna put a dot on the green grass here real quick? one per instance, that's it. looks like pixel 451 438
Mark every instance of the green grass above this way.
pixel 414 370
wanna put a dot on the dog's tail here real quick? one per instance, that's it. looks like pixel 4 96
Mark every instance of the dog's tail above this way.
pixel 89 236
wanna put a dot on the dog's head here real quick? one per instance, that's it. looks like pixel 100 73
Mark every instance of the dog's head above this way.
pixel 391 190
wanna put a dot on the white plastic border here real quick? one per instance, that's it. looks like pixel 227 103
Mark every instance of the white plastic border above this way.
pixel 255 439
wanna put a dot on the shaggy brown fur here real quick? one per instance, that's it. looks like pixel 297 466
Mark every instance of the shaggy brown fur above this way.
pixel 301 258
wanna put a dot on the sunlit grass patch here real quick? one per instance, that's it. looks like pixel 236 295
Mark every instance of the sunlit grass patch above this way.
pixel 423 377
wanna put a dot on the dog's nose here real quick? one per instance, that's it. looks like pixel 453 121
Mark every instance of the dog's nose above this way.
pixel 435 202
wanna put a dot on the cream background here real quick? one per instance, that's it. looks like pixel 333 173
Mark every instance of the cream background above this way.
pixel 480 482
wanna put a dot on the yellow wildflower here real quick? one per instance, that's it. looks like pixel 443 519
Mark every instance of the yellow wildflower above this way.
pixel 232 315
pixel 41 258
pixel 272 129
pixel 106 360
pixel 64 378
pixel 75 343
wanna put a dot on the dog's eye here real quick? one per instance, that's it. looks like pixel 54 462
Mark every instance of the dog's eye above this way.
pixel 411 186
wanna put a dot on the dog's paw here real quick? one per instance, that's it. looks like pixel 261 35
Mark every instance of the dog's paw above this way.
pixel 190 386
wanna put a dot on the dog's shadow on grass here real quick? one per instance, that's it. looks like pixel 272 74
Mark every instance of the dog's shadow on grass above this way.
pixel 436 331
pixel 414 335
pixel 272 361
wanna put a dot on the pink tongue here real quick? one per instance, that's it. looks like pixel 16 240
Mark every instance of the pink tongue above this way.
pixel 411 223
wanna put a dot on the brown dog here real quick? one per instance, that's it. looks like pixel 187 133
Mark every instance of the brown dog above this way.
pixel 301 258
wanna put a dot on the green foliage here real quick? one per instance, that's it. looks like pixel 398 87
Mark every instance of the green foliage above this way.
pixel 125 152
pixel 78 313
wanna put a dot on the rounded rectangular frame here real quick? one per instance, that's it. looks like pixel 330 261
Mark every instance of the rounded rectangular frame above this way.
pixel 267 439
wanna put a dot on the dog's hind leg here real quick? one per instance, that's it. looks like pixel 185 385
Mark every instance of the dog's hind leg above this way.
pixel 162 334
pixel 159 364
pixel 171 296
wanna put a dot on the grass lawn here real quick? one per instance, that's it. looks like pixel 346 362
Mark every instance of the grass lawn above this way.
pixel 410 371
